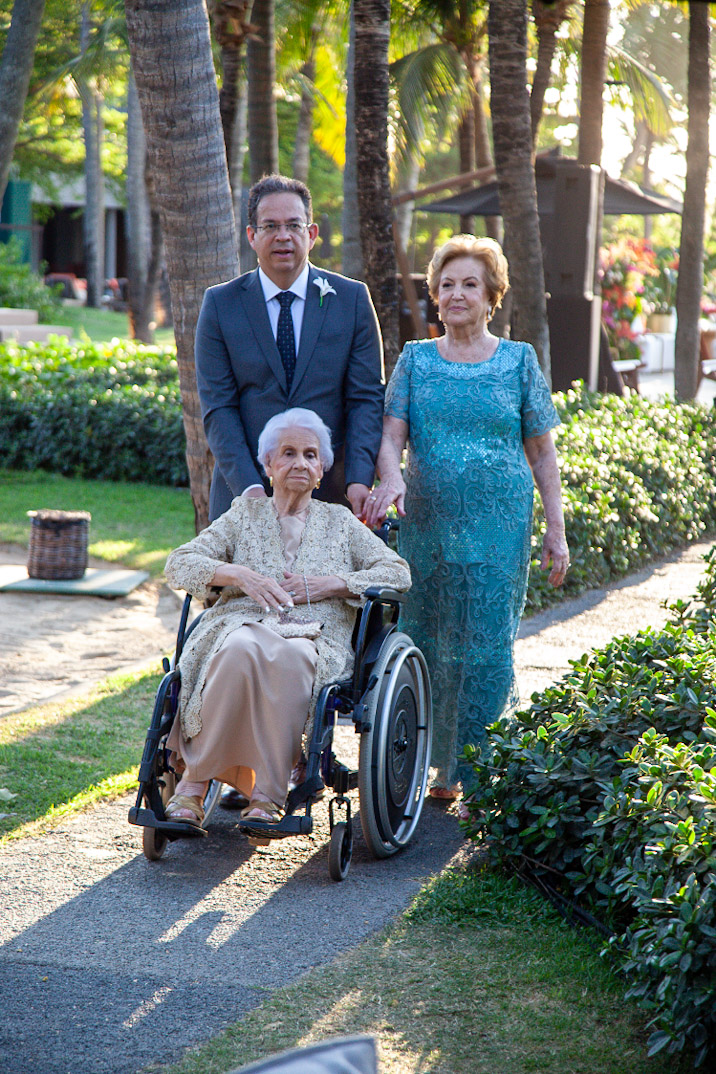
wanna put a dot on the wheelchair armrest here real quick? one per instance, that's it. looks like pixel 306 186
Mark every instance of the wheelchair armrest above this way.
pixel 384 594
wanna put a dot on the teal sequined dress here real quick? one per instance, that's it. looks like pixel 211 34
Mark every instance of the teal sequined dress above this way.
pixel 468 527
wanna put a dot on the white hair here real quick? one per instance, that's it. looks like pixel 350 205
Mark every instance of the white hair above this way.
pixel 295 418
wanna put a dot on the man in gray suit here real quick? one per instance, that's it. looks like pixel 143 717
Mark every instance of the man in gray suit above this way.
pixel 288 334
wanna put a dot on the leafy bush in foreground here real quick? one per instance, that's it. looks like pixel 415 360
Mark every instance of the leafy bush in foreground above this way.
pixel 606 788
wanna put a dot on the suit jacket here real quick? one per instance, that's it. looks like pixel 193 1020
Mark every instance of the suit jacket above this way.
pixel 242 382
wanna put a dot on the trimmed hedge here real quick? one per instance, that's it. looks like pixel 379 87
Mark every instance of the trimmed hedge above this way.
pixel 605 789
pixel 639 476
pixel 106 411
pixel 638 479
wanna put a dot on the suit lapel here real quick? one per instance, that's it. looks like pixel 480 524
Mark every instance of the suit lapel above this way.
pixel 252 298
pixel 313 317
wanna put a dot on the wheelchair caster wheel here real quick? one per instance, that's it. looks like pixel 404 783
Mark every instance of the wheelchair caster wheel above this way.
pixel 340 850
pixel 153 843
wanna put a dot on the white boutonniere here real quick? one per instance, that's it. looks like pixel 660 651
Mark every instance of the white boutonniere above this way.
pixel 325 288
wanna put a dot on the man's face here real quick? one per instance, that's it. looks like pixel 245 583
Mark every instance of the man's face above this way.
pixel 282 237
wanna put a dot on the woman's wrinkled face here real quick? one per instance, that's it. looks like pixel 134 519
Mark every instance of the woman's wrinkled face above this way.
pixel 295 465
pixel 462 295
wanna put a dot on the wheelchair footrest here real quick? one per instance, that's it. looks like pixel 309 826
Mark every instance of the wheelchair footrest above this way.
pixel 173 829
pixel 264 829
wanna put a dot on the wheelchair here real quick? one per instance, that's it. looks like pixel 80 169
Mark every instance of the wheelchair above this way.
pixel 388 701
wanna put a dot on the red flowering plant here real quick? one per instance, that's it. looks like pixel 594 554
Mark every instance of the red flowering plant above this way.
pixel 624 266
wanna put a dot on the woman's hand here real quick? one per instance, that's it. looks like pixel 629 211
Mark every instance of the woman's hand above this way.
pixel 556 553
pixel 389 491
pixel 319 586
pixel 264 590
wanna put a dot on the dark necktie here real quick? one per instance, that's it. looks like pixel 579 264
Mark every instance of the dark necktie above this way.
pixel 285 338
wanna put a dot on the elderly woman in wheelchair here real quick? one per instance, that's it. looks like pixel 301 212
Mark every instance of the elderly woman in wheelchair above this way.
pixel 292 571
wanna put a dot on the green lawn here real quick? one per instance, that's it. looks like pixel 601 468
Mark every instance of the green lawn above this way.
pixel 135 525
pixel 480 976
pixel 102 325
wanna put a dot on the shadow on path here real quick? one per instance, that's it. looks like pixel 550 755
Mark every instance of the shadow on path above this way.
pixel 111 964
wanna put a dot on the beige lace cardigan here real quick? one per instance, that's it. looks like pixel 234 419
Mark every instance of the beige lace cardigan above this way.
pixel 334 542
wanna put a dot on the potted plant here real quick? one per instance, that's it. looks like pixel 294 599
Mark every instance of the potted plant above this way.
pixel 660 290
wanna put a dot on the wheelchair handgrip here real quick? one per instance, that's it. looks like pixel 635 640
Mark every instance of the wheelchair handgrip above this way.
pixel 384 593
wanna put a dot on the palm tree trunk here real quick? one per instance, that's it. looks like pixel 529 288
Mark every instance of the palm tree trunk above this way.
pixel 304 128
pixel 548 19
pixel 15 72
pixel 261 68
pixel 187 159
pixel 231 22
pixel 372 22
pixel 512 135
pixel 93 216
pixel 593 75
pixel 691 253
pixel 352 260
pixel 141 227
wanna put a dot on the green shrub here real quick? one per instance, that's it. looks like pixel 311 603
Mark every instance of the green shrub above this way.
pixel 638 479
pixel 20 287
pixel 606 788
pixel 108 411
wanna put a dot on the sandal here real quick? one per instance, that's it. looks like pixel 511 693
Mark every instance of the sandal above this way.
pixel 267 813
pixel 192 803
pixel 463 812
pixel 445 794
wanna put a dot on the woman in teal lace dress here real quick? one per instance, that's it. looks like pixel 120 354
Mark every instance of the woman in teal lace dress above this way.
pixel 476 413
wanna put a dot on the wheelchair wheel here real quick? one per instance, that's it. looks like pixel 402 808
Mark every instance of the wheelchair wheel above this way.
pixel 340 851
pixel 395 752
pixel 154 842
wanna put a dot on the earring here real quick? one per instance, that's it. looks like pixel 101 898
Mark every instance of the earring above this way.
pixel 271 482
pixel 318 484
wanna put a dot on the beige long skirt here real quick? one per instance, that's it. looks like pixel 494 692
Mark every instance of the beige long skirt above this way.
pixel 253 711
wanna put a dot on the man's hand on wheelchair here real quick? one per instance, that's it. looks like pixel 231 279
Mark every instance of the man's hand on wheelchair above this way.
pixel 385 494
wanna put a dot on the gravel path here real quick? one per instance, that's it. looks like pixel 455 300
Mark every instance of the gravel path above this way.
pixel 111 964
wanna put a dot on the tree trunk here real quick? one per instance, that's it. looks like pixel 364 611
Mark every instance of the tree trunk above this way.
pixel 352 260
pixel 187 159
pixel 483 150
pixel 15 72
pixel 548 19
pixel 372 24
pixel 144 239
pixel 231 22
pixel 304 129
pixel 691 254
pixel 593 75
pixel 512 135
pixel 93 216
pixel 261 70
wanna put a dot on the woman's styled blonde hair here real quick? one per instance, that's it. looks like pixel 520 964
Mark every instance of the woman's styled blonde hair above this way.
pixel 485 250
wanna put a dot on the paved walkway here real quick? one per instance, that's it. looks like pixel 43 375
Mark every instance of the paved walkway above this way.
pixel 110 964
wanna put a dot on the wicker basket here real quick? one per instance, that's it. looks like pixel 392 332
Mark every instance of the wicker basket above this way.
pixel 58 544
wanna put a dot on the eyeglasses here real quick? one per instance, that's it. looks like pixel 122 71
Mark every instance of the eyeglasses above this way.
pixel 294 228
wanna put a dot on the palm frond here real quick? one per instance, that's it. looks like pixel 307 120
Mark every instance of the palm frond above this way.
pixel 650 94
pixel 431 86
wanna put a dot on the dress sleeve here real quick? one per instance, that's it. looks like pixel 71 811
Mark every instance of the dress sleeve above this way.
pixel 193 565
pixel 372 563
pixel 539 414
pixel 397 395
